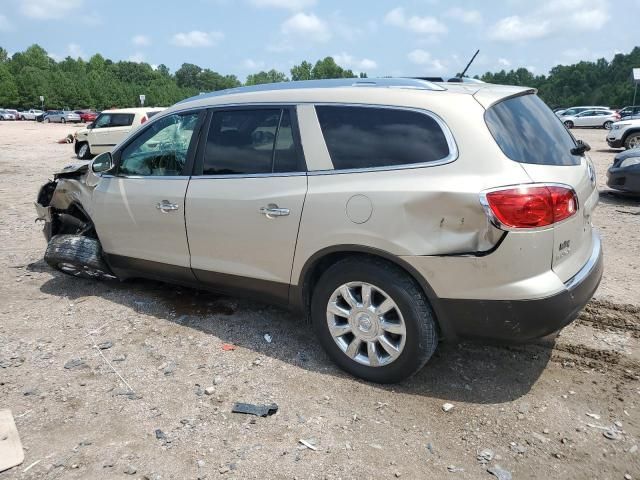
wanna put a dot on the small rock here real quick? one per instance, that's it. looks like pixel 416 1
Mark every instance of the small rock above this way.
pixel 268 338
pixel 201 463
pixel 75 363
pixel 168 370
pixel 454 469
pixel 545 431
pixel 224 469
pixel 160 435
pixel 633 449
pixel 130 470
pixel 119 358
pixel 217 380
pixel 257 361
pixel 517 448
pixel 611 434
pixel 618 423
pixel 627 476
pixel 485 456
pixel 105 345
pixel 31 392
pixel 447 407
pixel 209 390
pixel 593 415
pixel 398 474
pixel 430 448
pixel 500 473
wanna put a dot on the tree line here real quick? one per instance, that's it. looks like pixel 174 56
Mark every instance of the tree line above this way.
pixel 100 83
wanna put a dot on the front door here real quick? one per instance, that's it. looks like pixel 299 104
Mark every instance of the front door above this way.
pixel 244 208
pixel 139 211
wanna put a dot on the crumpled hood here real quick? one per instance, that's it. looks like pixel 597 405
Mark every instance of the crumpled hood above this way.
pixel 73 168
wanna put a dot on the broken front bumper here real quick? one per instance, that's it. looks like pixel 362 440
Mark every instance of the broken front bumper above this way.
pixel 44 215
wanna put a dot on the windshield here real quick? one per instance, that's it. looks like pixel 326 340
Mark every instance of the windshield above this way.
pixel 527 131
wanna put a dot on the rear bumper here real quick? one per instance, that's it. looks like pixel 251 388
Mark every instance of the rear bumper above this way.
pixel 523 320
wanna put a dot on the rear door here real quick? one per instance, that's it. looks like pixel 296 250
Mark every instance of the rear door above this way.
pixel 108 130
pixel 528 132
pixel 244 204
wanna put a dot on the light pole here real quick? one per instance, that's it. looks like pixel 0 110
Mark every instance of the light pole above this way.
pixel 42 102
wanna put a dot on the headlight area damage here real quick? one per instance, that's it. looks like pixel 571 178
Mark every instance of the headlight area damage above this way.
pixel 63 203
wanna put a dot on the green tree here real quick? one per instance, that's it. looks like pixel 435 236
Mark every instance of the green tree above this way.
pixel 328 68
pixel 8 88
pixel 302 71
pixel 272 76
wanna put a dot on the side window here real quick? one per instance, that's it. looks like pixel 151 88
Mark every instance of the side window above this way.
pixel 369 137
pixel 121 119
pixel 161 149
pixel 103 121
pixel 250 142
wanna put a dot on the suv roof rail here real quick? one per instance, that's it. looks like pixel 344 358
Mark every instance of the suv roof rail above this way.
pixel 409 83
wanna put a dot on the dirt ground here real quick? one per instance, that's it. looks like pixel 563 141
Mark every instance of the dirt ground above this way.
pixel 566 407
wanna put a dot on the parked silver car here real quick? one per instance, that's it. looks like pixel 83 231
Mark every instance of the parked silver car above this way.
pixel 6 115
pixel 576 110
pixel 391 212
pixel 591 118
pixel 61 117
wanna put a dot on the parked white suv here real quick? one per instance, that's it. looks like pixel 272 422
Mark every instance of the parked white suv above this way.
pixel 625 133
pixel 109 129
pixel 393 212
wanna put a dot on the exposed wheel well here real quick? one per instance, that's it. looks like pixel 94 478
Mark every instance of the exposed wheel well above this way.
pixel 320 262
pixel 629 132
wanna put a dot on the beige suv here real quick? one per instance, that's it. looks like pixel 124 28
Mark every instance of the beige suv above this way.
pixel 392 212
pixel 109 129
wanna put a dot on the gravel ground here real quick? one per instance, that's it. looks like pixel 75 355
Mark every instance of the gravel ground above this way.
pixel 566 407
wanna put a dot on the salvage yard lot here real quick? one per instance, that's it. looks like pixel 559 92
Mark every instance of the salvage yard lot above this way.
pixel 567 407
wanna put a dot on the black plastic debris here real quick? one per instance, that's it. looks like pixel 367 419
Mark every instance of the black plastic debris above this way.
pixel 257 410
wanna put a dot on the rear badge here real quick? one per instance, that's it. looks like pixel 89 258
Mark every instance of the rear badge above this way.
pixel 564 249
pixel 592 173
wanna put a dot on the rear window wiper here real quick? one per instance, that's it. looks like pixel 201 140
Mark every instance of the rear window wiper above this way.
pixel 580 148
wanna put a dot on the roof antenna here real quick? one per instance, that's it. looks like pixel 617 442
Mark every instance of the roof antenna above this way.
pixel 469 64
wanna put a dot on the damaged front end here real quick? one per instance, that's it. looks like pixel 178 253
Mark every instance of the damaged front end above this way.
pixel 64 203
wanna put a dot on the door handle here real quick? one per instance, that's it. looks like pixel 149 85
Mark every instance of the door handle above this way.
pixel 166 206
pixel 272 211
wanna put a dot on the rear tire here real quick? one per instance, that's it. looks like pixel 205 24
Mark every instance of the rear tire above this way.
pixel 46 120
pixel 77 256
pixel 632 141
pixel 568 124
pixel 63 120
pixel 410 310
pixel 607 125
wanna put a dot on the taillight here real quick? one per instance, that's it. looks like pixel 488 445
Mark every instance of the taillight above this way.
pixel 143 119
pixel 531 206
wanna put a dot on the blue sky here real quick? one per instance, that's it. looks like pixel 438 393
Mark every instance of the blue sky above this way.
pixel 381 37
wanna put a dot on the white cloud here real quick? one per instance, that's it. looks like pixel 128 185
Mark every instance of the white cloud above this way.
pixel 137 57
pixel 251 64
pixel 422 57
pixel 196 38
pixel 309 27
pixel 504 62
pixel 285 4
pixel 464 15
pixel 75 51
pixel 348 61
pixel 5 25
pixel 414 23
pixel 49 9
pixel 141 41
pixel 553 17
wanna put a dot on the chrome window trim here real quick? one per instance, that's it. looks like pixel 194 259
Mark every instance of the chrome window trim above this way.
pixel 149 177
pixel 250 175
pixel 451 143
pixel 498 224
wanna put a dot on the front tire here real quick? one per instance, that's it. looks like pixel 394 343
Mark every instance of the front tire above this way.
pixel 77 256
pixel 373 320
pixel 46 120
pixel 568 124
pixel 84 152
pixel 63 120
pixel 632 141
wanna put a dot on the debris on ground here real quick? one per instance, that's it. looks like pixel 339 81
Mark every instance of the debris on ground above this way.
pixel 485 456
pixel 105 345
pixel 209 390
pixel 308 444
pixel 595 416
pixel 257 410
pixel 67 139
pixel 11 451
pixel 447 407
pixel 500 473
pixel 228 347
pixel 454 469
pixel 75 363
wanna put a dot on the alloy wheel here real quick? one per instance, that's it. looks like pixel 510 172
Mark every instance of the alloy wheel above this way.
pixel 366 324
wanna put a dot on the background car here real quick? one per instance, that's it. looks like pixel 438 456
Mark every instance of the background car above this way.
pixel 62 117
pixel 30 114
pixel 109 129
pixel 591 118
pixel 576 110
pixel 5 115
pixel 629 111
pixel 624 174
pixel 87 116
pixel 625 133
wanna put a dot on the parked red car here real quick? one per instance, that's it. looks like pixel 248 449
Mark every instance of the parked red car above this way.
pixel 87 116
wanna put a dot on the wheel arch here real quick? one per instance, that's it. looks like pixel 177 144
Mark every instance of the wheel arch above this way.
pixel 629 132
pixel 320 261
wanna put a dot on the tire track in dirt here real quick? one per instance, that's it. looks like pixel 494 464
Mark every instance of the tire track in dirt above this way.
pixel 606 315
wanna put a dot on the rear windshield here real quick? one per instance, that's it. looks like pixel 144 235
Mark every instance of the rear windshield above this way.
pixel 527 131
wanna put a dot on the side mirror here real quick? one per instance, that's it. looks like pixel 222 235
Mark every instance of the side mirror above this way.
pixel 89 125
pixel 102 163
